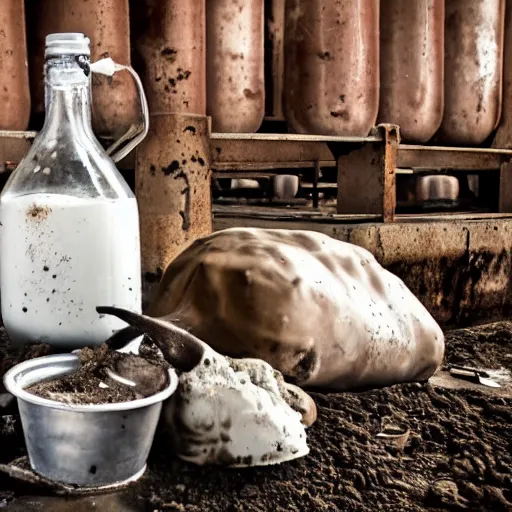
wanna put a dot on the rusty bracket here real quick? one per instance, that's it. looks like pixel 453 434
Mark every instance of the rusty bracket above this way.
pixel 367 178
pixel 505 198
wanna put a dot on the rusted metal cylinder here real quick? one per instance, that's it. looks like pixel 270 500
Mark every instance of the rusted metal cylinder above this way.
pixel 437 188
pixel 106 23
pixel 473 70
pixel 503 137
pixel 171 43
pixel 235 65
pixel 172 185
pixel 332 66
pixel 14 87
pixel 274 78
pixel 412 63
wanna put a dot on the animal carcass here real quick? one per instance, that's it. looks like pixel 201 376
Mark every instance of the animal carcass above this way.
pixel 321 311
pixel 233 412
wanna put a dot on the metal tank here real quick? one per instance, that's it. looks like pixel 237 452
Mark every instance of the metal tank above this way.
pixel 274 18
pixel 332 66
pixel 14 88
pixel 235 65
pixel 412 63
pixel 473 70
pixel 170 38
pixel 106 23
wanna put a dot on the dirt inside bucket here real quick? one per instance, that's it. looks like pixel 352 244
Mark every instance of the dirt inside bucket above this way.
pixel 95 381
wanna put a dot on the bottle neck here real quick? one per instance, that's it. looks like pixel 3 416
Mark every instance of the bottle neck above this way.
pixel 68 97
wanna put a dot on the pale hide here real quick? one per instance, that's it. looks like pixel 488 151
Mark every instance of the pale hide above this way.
pixel 321 311
pixel 231 412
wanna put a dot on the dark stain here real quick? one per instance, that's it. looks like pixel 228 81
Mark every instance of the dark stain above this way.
pixel 152 170
pixel 324 56
pixel 154 277
pixel 182 74
pixel 169 53
pixel 250 95
pixel 201 161
pixel 92 470
pixel 305 367
pixel 38 212
pixel 185 213
pixel 226 424
pixel 45 268
pixel 341 113
pixel 173 167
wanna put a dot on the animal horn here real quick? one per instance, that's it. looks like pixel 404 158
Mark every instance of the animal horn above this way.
pixel 180 348
pixel 300 401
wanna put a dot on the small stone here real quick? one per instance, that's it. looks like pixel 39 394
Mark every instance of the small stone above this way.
pixel 249 491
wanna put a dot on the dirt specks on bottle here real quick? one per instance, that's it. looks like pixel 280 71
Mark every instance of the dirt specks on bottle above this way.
pixel 38 213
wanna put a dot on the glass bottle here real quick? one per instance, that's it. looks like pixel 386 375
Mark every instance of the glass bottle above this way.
pixel 70 223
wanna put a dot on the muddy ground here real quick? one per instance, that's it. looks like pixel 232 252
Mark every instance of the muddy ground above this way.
pixel 458 455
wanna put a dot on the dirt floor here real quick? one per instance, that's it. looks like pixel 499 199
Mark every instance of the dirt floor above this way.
pixel 457 456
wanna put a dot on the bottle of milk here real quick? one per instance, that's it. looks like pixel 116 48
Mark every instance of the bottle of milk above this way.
pixel 69 222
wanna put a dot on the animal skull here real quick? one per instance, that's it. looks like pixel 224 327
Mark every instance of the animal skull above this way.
pixel 321 311
pixel 226 411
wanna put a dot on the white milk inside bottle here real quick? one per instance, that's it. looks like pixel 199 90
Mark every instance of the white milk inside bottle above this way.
pixel 69 222
pixel 53 277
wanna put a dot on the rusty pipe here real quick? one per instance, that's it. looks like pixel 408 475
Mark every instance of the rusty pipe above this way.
pixel 14 86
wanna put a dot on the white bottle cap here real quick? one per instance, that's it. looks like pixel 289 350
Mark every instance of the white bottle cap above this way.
pixel 67 43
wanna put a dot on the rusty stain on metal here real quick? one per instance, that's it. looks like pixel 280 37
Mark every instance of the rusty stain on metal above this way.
pixel 170 38
pixel 332 66
pixel 14 85
pixel 474 34
pixel 106 23
pixel 412 66
pixel 172 185
pixel 235 64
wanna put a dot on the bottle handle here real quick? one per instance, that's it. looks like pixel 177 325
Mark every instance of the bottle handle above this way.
pixel 136 133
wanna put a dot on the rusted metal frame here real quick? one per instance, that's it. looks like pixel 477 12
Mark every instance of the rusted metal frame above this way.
pixel 273 151
pixel 275 167
pixel 366 177
pixel 13 147
pixel 505 194
pixel 451 158
pixel 316 177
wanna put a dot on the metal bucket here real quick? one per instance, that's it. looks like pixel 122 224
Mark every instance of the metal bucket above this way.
pixel 83 445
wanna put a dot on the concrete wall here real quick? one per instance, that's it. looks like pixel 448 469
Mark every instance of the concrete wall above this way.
pixel 460 269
